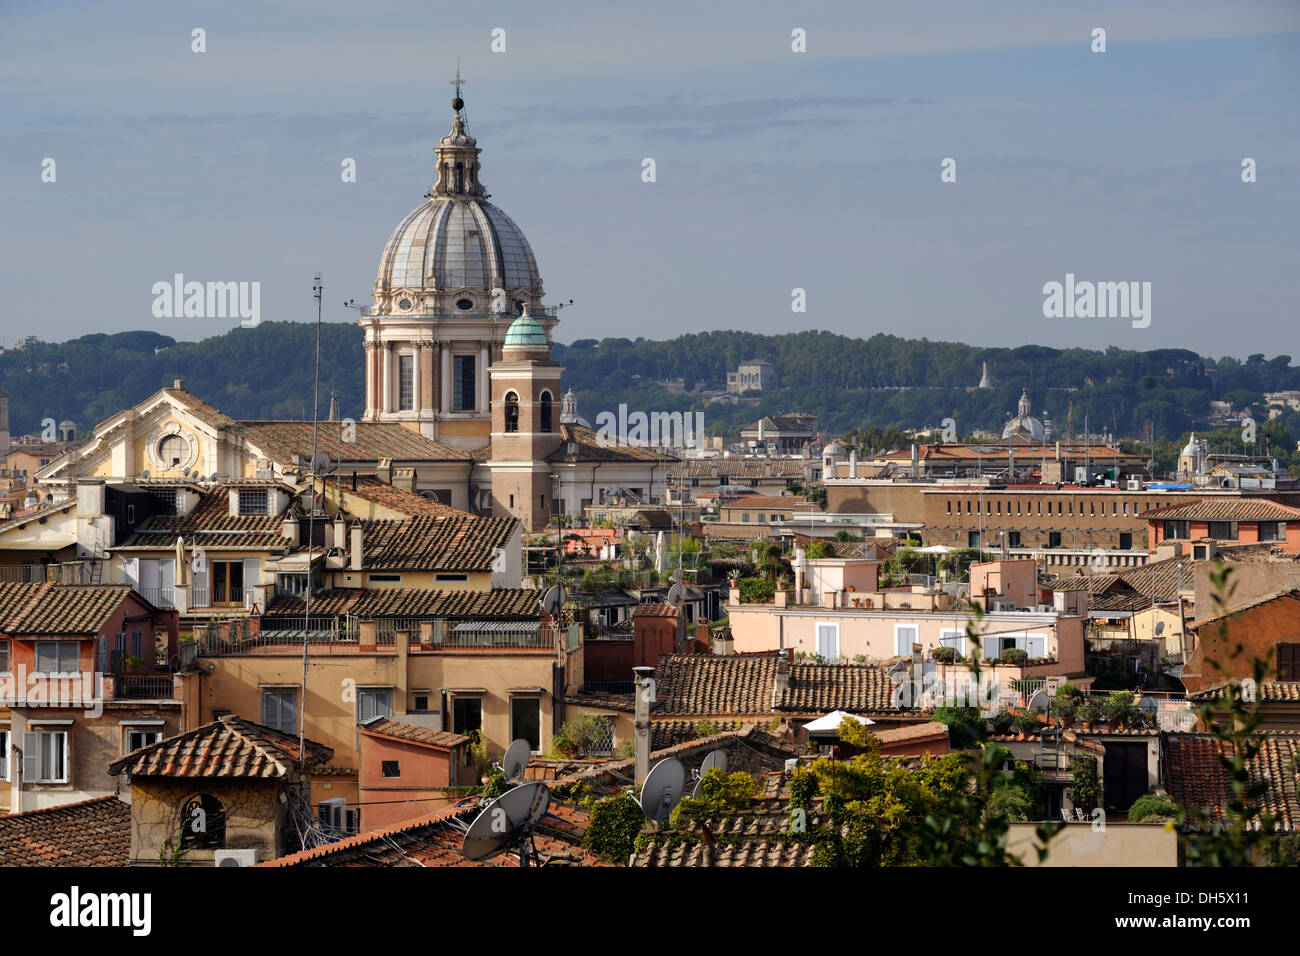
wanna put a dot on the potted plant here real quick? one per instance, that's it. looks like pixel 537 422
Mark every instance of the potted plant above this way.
pixel 1091 714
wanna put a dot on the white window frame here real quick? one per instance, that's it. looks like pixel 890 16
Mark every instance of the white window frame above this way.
pixel 371 692
pixel 4 754
pixel 946 636
pixel 535 699
pixel 916 636
pixel 154 732
pixel 278 690
pixel 34 755
pixel 817 637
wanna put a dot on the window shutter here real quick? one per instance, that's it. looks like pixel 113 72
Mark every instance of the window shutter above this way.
pixel 46 659
pixel 252 578
pixel 1037 646
pixel 131 571
pixel 31 759
pixel 4 656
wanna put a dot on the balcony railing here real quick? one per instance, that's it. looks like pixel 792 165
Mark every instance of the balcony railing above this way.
pixel 233 637
pixel 149 687
pixel 493 634
pixel 159 597
pixel 220 596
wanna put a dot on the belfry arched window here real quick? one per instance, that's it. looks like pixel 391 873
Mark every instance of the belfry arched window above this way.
pixel 512 412
pixel 546 411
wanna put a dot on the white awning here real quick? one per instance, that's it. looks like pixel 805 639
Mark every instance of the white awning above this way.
pixel 831 722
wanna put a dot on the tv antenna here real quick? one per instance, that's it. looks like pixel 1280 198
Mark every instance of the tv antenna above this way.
pixel 357 306
pixel 506 823
pixel 516 759
pixel 663 789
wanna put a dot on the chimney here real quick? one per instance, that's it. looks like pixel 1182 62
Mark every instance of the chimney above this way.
pixel 645 695
pixel 384 470
pixel 915 461
pixel 853 463
pixel 782 682
pixel 178 385
pixel 340 533
pixel 357 553
pixel 289 526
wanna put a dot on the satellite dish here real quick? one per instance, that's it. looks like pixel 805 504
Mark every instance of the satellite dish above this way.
pixel 663 788
pixel 145 473
pixel 1039 702
pixel 716 758
pixel 186 472
pixel 553 600
pixel 516 759
pixel 1160 628
pixel 507 823
pixel 677 595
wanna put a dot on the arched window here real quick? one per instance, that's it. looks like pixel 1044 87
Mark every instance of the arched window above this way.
pixel 546 411
pixel 460 177
pixel 512 412
pixel 203 823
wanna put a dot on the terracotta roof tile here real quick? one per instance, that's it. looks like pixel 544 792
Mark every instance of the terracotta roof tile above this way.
pixel 398 499
pixel 589 448
pixel 211 525
pixel 1225 509
pixel 58 609
pixel 427 543
pixel 231 747
pixel 282 440
pixel 1195 777
pixel 516 604
pixel 89 833
pixel 420 735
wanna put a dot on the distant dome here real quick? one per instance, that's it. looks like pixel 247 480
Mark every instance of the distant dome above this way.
pixel 1190 450
pixel 1024 425
pixel 833 450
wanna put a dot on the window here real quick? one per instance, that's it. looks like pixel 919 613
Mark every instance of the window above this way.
pixel 374 702
pixel 384 578
pixel 390 768
pixel 280 709
pixel 450 577
pixel 1126 540
pixel 203 823
pixel 1223 530
pixel 546 412
pixel 253 502
pixel 466 715
pixel 512 412
pixel 292 583
pixel 1272 531
pixel 904 638
pixel 776 517
pixel 462 389
pixel 135 739
pixel 972 539
pixel 526 721
pixel 4 755
pixel 464 304
pixel 762 518
pixel 405 382
pixel 1288 662
pixel 336 819
pixel 59 657
pixel 172 450
pixel 1013 539
pixel 1177 530
pixel 1053 539
pixel 45 757
pixel 954 639
pixel 421 703
pixel 4 656
pixel 828 640
pixel 744 518
pixel 227 581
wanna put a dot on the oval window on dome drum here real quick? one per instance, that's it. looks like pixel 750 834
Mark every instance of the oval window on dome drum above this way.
pixel 464 304
pixel 404 304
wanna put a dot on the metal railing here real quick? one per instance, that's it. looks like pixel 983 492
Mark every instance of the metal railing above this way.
pixel 147 686
pixel 159 597
pixel 234 636
pixel 220 596
pixel 493 634
pixel 609 686
pixel 386 628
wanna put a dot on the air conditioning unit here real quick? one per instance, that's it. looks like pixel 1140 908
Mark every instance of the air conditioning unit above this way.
pixel 235 858
pixel 1134 484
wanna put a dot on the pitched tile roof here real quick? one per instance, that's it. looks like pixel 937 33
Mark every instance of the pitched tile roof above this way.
pixel 1269 690
pixel 1285 593
pixel 664 852
pixel 436 839
pixel 210 525
pixel 1195 777
pixel 231 747
pixel 429 543
pixel 59 609
pixel 1225 509
pixel 282 440
pixel 385 727
pixel 590 448
pixel 515 604
pixel 670 733
pixel 709 685
pixel 199 408
pixel 88 833
pixel 409 503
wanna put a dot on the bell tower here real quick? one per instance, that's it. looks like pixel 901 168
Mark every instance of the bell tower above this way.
pixel 526 406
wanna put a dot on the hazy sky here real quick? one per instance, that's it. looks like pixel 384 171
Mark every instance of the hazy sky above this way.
pixel 775 170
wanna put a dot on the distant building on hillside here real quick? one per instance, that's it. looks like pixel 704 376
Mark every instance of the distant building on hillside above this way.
pixel 790 433
pixel 756 375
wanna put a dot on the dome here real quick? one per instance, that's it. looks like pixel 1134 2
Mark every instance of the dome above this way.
pixel 1024 425
pixel 1190 450
pixel 525 333
pixel 458 243
pixel 833 450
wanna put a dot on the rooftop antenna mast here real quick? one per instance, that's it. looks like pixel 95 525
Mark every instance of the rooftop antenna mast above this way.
pixel 316 288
